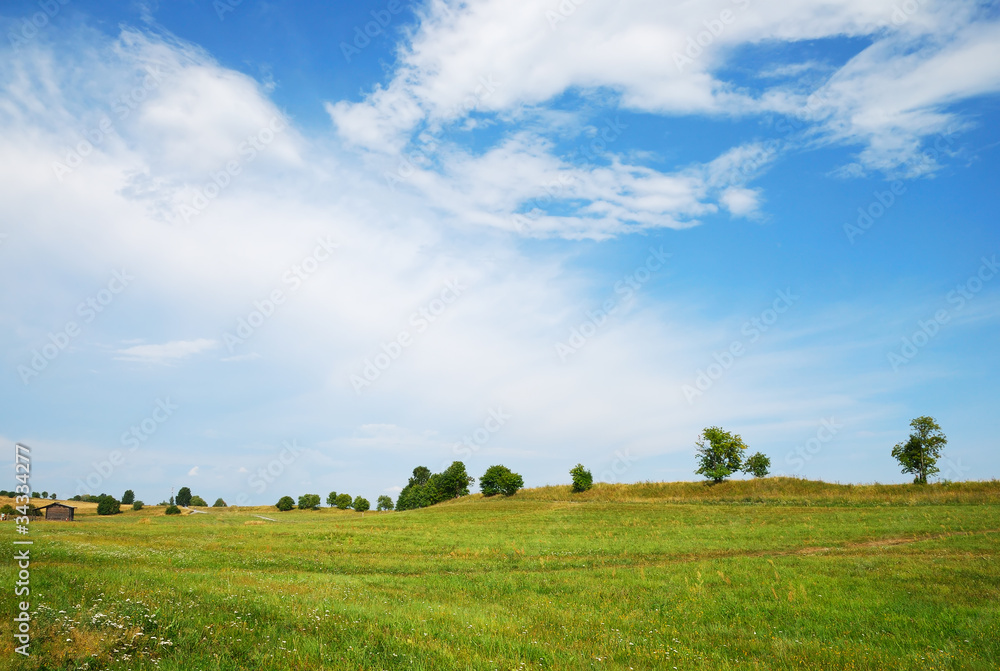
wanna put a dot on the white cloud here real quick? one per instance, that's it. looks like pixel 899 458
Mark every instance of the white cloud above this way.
pixel 167 352
pixel 741 202
pixel 193 472
pixel 665 58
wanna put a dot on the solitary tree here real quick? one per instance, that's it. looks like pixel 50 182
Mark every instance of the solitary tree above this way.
pixel 45 494
pixel 500 480
pixel 720 454
pixel 344 501
pixel 219 503
pixel 383 503
pixel 285 503
pixel 198 501
pixel 758 465
pixel 331 499
pixel 183 497
pixel 128 498
pixel 582 479
pixel 53 496
pixel 309 502
pixel 920 453
pixel 361 504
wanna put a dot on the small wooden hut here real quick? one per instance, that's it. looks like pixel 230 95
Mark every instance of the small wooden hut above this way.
pixel 58 511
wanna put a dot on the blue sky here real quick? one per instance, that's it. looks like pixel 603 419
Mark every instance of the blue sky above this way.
pixel 532 233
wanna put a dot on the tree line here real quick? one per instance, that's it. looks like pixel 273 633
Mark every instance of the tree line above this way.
pixel 719 453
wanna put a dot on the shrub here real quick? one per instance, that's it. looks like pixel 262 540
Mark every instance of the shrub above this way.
pixel 219 503
pixel 383 503
pixel 285 503
pixel 759 465
pixel 172 510
pixel 108 505
pixel 344 501
pixel 198 501
pixel 500 480
pixel 582 478
pixel 361 504
pixel 128 498
pixel 137 505
pixel 7 509
pixel 309 502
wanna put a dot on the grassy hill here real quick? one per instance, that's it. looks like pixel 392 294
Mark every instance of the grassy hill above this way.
pixel 646 576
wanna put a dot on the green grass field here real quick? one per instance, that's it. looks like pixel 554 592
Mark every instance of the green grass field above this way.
pixel 772 574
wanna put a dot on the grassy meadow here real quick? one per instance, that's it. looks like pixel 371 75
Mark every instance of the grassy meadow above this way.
pixel 768 574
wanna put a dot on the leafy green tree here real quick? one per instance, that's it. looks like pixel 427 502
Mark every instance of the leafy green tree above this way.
pixel 137 505
pixel 383 503
pixel 128 498
pixel 309 502
pixel 108 505
pixel 184 497
pixel 45 494
pixel 172 510
pixel 361 504
pixel 758 465
pixel 582 478
pixel 920 453
pixel 500 480
pixel 331 499
pixel 285 503
pixel 452 483
pixel 415 494
pixel 219 503
pixel 198 501
pixel 7 509
pixel 53 496
pixel 720 454
pixel 344 501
